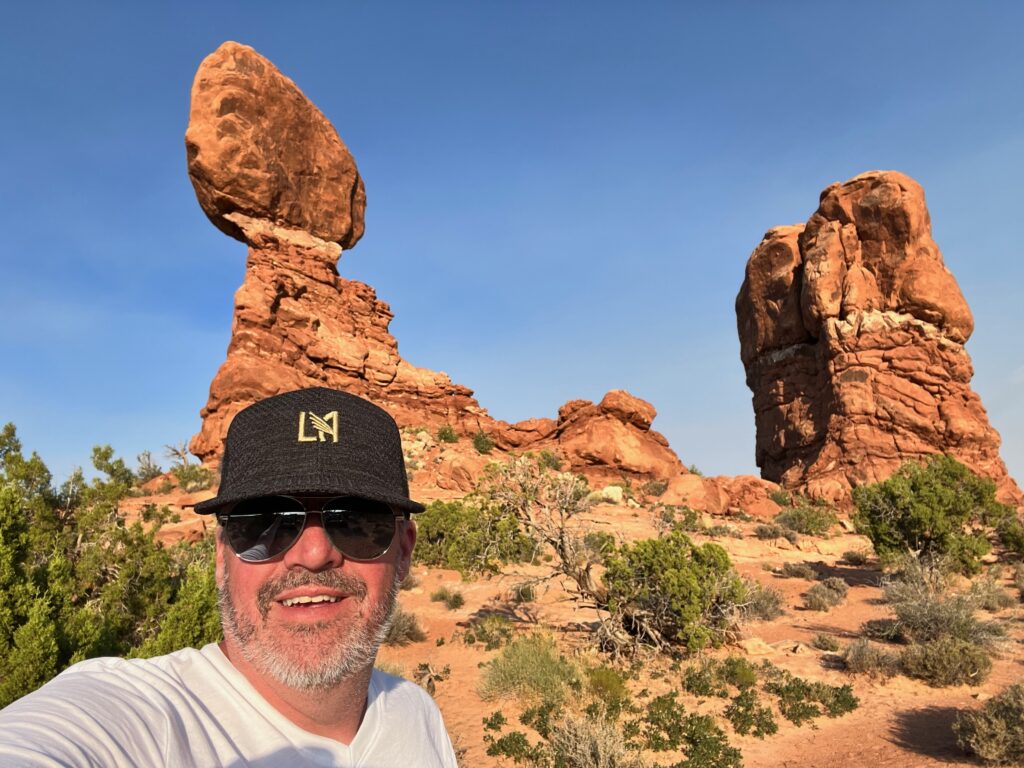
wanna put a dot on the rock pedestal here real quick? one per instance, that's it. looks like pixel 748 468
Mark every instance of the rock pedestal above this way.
pixel 852 335
pixel 271 171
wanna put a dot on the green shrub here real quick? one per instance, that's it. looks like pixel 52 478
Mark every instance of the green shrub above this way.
pixel 549 460
pixel 825 642
pixel 77 582
pixel 483 443
pixel 924 509
pixel 703 679
pixel 492 629
pixel 599 544
pixel 1011 534
pixel 654 487
pixel 781 497
pixel 672 591
pixel 863 657
pixel 685 519
pixel 447 434
pixel 532 669
pixel 661 726
pixel 706 746
pixel 808 519
pixel 404 629
pixel 995 733
pixel 947 661
pixel 469 536
pixel 801 701
pixel 737 671
pixel 452 599
pixel 517 748
pixel 747 715
pixel 608 686
pixel 798 571
pixel 192 477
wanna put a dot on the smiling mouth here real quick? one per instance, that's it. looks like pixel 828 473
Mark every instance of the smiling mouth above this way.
pixel 309 600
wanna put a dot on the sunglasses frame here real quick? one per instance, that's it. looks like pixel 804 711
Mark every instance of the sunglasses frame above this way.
pixel 224 517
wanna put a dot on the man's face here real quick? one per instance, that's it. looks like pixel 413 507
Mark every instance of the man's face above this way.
pixel 311 617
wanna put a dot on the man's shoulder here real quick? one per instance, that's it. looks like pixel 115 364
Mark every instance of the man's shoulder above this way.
pixel 112 686
pixel 399 692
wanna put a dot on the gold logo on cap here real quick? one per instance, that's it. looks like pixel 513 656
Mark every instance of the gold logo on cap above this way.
pixel 323 426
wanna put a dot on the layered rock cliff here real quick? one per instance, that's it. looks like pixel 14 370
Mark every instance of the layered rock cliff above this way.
pixel 852 334
pixel 270 170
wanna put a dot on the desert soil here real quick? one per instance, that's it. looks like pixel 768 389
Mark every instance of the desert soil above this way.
pixel 900 722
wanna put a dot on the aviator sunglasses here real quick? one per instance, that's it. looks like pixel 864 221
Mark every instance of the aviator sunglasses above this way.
pixel 261 529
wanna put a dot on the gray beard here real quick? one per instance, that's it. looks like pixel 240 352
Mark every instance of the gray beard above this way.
pixel 354 648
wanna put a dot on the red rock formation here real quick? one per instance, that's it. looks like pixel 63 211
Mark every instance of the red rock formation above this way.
pixel 258 147
pixel 270 170
pixel 852 334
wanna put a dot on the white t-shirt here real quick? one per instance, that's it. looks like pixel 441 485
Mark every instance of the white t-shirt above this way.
pixel 193 708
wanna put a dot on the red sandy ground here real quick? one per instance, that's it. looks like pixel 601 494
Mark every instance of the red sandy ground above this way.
pixel 900 722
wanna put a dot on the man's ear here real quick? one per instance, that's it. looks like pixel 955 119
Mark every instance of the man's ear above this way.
pixel 406 542
pixel 220 553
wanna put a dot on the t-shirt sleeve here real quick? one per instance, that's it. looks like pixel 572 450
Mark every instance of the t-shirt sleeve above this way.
pixel 81 719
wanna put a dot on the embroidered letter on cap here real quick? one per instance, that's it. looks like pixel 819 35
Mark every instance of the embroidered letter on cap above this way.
pixel 328 425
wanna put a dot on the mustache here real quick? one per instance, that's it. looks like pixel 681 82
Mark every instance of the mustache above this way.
pixel 350 585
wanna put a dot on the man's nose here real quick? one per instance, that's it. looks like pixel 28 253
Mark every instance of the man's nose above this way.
pixel 314 549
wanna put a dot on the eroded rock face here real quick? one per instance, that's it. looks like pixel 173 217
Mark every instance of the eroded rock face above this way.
pixel 270 170
pixel 852 334
pixel 258 147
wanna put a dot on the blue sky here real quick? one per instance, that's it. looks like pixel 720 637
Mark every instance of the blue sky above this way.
pixel 562 196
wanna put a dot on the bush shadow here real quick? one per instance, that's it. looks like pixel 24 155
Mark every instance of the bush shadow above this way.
pixel 928 731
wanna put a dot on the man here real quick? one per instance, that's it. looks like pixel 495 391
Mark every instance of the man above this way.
pixel 313 540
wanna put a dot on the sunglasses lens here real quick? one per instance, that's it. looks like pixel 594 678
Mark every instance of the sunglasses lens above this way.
pixel 360 529
pixel 261 529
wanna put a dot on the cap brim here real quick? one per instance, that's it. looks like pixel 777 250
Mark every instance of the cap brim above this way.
pixel 217 503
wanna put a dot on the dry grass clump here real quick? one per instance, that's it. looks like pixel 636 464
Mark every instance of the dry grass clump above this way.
pixel 865 658
pixel 590 743
pixel 529 668
pixel 825 642
pixel 927 609
pixel 772 531
pixel 990 594
pixel 761 602
pixel 404 629
pixel 826 594
pixel 798 571
pixel 452 599
pixel 995 733
pixel 856 557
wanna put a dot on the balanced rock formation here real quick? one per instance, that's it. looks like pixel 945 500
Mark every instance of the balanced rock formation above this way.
pixel 257 147
pixel 270 170
pixel 852 335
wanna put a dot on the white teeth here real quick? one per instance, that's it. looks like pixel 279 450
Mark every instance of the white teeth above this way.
pixel 304 600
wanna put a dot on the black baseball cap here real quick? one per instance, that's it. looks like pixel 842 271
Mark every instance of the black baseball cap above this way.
pixel 315 441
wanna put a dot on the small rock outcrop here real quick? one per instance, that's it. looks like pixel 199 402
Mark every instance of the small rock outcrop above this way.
pixel 852 335
pixel 271 171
